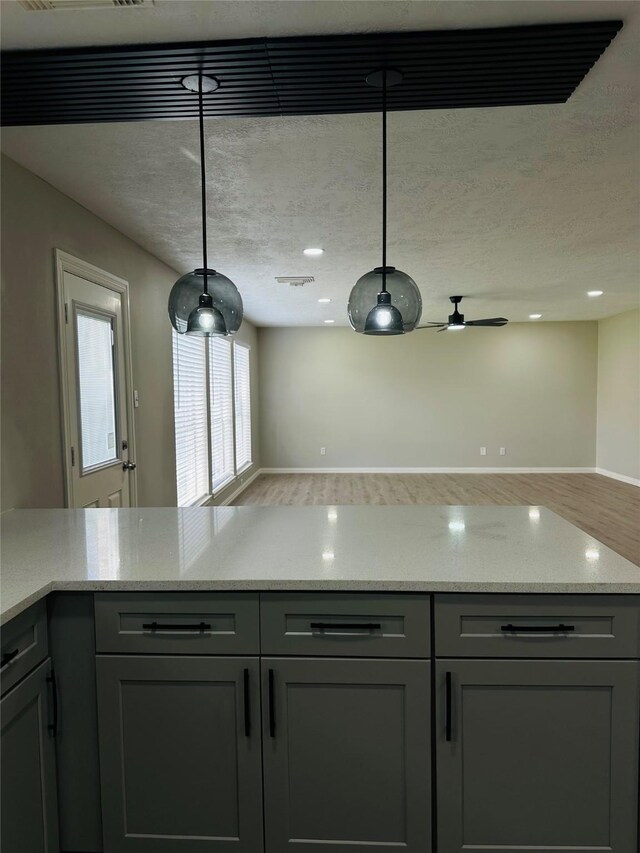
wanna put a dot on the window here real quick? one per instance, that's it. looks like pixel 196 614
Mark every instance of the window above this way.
pixel 212 398
pixel 221 412
pixel 191 420
pixel 242 389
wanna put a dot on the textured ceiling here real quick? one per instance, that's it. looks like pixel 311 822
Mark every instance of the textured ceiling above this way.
pixel 185 20
pixel 521 209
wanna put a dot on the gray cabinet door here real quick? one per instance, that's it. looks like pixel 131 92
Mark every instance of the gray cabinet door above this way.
pixel 180 759
pixel 28 784
pixel 541 755
pixel 346 755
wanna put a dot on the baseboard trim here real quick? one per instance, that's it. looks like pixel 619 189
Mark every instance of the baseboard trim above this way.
pixel 241 488
pixel 486 470
pixel 633 481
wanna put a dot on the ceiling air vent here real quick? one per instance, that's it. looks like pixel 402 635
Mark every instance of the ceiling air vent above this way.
pixel 295 280
pixel 46 5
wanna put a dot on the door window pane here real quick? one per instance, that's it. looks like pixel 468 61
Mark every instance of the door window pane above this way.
pixel 96 390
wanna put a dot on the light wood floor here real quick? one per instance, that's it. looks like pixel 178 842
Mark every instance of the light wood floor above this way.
pixel 604 508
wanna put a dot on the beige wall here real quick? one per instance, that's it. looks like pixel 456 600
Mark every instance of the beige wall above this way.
pixel 429 399
pixel 618 447
pixel 36 218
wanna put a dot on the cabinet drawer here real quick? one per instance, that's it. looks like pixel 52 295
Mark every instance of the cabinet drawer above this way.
pixel 537 626
pixel 24 644
pixel 190 623
pixel 357 625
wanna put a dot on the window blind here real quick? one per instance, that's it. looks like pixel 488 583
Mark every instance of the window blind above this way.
pixel 242 386
pixel 221 412
pixel 190 407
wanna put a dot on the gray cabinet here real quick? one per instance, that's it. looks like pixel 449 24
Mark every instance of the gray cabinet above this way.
pixel 537 626
pixel 180 754
pixel 537 755
pixel 28 784
pixel 346 755
pixel 24 645
pixel 72 644
pixel 376 625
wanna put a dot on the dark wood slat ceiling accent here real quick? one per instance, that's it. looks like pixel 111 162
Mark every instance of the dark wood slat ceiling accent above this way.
pixel 303 75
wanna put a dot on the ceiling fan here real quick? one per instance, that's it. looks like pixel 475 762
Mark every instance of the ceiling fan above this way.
pixel 457 321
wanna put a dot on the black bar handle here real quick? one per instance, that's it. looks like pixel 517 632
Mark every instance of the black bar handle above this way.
pixel 447 717
pixel 272 704
pixel 168 626
pixel 247 705
pixel 7 657
pixel 327 626
pixel 537 629
pixel 53 727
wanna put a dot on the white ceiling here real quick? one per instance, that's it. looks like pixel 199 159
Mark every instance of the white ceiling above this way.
pixel 521 209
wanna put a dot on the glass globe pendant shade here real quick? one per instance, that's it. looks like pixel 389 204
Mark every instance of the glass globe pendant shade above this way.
pixel 384 318
pixel 185 298
pixel 205 320
pixel 405 298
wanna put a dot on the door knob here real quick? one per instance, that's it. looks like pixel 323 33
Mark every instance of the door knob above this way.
pixel 128 466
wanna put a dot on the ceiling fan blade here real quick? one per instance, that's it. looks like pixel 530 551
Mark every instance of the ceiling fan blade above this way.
pixel 432 326
pixel 490 321
pixel 444 328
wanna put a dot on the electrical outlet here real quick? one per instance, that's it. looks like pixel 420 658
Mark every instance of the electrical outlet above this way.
pixel 503 451
pixel 483 451
pixel 323 451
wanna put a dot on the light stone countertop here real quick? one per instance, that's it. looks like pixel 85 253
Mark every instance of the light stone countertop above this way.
pixel 376 548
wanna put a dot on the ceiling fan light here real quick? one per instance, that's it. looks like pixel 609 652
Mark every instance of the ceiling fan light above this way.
pixel 384 318
pixel 453 326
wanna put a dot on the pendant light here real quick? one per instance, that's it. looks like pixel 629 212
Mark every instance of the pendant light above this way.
pixel 384 301
pixel 204 302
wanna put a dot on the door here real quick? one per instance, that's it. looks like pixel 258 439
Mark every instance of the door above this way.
pixel 346 755
pixel 28 783
pixel 180 760
pixel 98 443
pixel 537 755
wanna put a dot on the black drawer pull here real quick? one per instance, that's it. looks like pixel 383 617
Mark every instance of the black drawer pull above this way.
pixel 272 704
pixel 7 657
pixel 537 629
pixel 447 717
pixel 247 705
pixel 53 727
pixel 348 626
pixel 167 626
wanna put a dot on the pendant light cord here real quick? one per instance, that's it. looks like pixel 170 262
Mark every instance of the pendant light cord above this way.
pixel 384 180
pixel 203 180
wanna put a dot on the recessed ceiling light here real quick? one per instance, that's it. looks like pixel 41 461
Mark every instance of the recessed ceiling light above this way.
pixel 329 321
pixel 535 316
pixel 595 292
pixel 313 252
pixel 324 300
